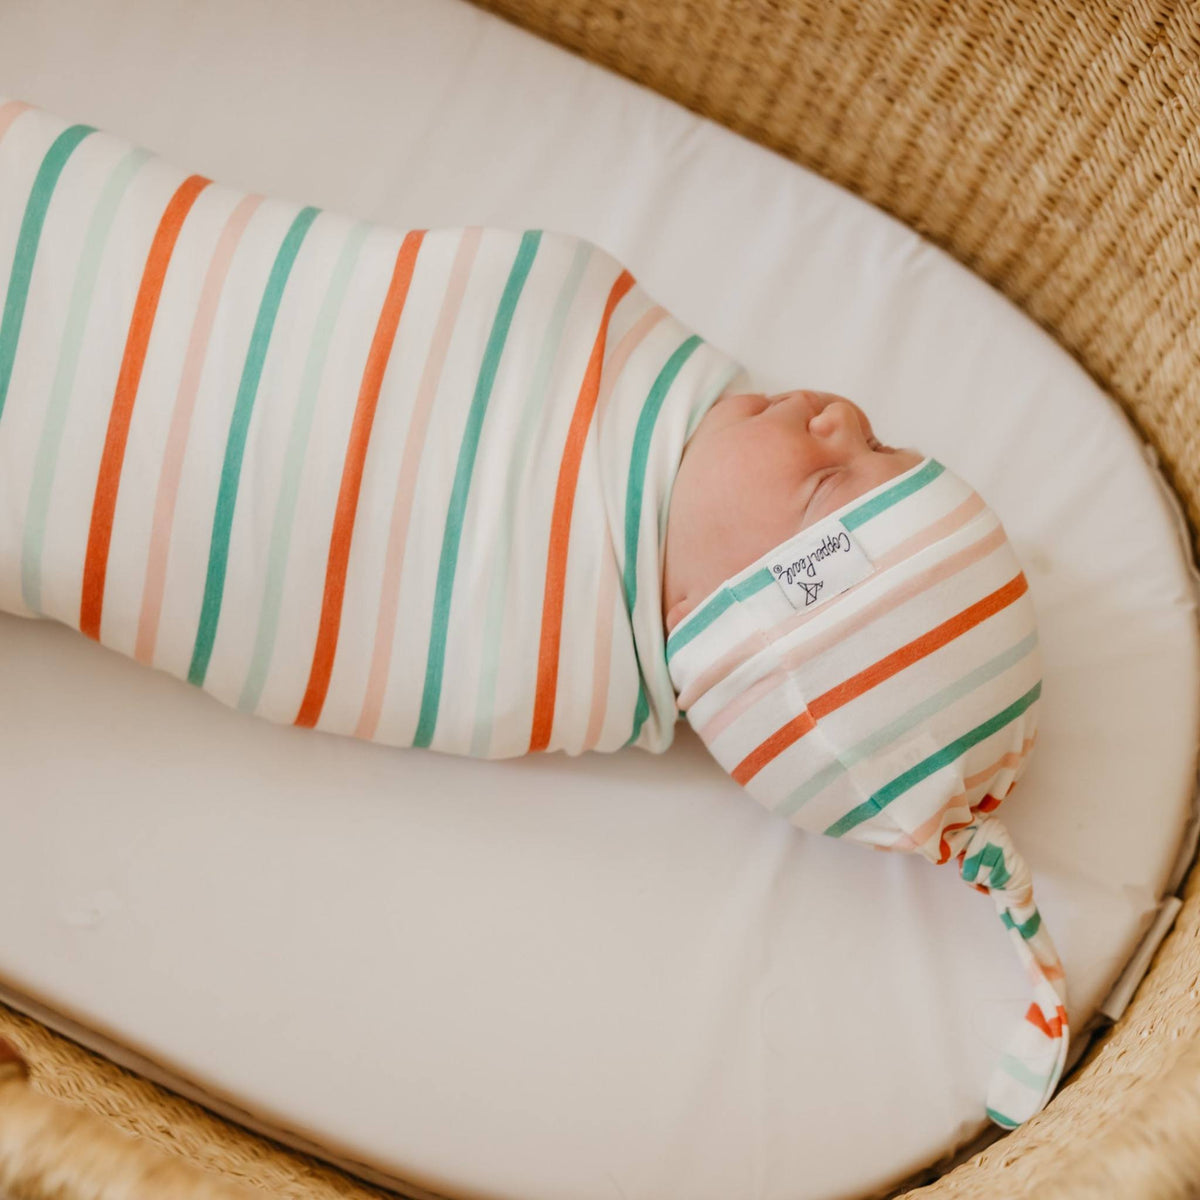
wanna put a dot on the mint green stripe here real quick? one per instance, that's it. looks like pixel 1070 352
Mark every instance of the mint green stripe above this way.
pixel 54 423
pixel 456 514
pixel 283 521
pixel 1001 1119
pixel 235 446
pixel 721 602
pixel 909 720
pixel 498 591
pixel 927 766
pixel 1028 929
pixel 905 487
pixel 1022 1074
pixel 634 490
pixel 27 246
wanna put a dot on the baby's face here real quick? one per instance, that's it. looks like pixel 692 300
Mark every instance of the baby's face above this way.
pixel 756 470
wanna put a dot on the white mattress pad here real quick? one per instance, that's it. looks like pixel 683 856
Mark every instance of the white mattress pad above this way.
pixel 611 975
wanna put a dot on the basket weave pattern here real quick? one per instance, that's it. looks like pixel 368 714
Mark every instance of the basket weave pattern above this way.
pixel 1053 146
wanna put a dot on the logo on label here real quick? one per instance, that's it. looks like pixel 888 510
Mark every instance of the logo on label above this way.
pixel 812 591
pixel 818 564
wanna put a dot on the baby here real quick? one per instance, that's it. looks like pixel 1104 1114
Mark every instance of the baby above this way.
pixel 473 490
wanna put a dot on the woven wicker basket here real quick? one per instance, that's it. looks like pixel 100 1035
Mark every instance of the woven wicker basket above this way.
pixel 1053 146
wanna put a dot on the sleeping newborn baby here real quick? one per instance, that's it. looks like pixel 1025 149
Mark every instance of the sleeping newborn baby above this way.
pixel 473 490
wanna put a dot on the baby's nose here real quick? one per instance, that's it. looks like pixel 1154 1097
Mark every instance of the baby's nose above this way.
pixel 836 415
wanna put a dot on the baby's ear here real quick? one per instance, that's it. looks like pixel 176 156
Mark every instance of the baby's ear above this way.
pixel 679 610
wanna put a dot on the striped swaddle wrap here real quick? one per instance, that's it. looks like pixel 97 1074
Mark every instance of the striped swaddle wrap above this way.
pixel 405 485
pixel 877 678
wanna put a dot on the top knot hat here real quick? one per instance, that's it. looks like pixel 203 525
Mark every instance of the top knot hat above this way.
pixel 876 677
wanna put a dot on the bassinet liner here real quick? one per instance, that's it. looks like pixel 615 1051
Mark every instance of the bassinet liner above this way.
pixel 1051 148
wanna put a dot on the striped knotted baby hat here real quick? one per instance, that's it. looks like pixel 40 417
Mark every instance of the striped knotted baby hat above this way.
pixel 876 677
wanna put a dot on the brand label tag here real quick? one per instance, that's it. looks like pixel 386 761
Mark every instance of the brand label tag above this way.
pixel 819 563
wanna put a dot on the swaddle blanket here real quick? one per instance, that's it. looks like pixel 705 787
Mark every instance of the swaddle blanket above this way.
pixel 877 678
pixel 413 486
pixel 410 486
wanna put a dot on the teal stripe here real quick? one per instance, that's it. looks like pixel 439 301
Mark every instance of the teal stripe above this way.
pixel 927 766
pixel 907 721
pixel 283 521
pixel 991 857
pixel 663 682
pixel 634 490
pixel 260 339
pixel 54 423
pixel 455 516
pixel 1028 929
pixel 507 518
pixel 904 487
pixel 709 612
pixel 27 246
pixel 1001 1119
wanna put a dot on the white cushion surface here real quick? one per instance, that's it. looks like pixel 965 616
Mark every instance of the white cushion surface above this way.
pixel 610 975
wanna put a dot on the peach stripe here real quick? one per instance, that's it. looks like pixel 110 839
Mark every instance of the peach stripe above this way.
pixel 10 110
pixel 924 831
pixel 141 325
pixel 341 537
pixel 605 607
pixel 546 691
pixel 414 441
pixel 602 653
pixel 734 658
pixel 1011 759
pixel 835 633
pixel 1035 969
pixel 181 422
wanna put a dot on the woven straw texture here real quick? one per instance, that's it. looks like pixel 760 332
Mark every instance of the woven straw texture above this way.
pixel 1053 146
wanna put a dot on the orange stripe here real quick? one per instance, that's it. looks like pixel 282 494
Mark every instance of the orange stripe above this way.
pixel 1052 1029
pixel 351 485
pixel 108 481
pixel 884 669
pixel 776 744
pixel 560 528
pixel 923 646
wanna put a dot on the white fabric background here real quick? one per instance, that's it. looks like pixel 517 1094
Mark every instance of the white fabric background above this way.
pixel 612 976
